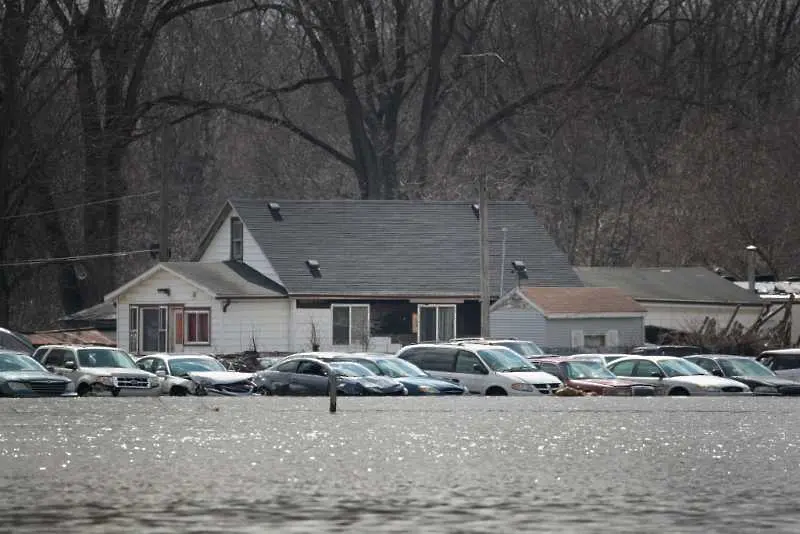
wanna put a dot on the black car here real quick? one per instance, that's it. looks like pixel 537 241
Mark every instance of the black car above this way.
pixel 416 381
pixel 302 375
pixel 22 376
pixel 762 380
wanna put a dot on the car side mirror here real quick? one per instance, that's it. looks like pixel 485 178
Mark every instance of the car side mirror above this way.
pixel 70 365
pixel 656 374
pixel 717 372
pixel 161 372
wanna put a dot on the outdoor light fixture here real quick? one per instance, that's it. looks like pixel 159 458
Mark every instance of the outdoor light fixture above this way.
pixel 476 209
pixel 313 267
pixel 519 268
pixel 164 290
pixel 275 210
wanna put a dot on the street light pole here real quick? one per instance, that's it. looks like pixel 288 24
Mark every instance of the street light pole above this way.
pixel 483 213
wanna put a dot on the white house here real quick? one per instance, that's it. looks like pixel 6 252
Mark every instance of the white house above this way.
pixel 338 274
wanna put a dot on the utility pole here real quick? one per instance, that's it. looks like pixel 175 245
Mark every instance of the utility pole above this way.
pixel 163 240
pixel 483 213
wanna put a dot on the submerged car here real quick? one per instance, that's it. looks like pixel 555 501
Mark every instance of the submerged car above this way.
pixel 675 376
pixel 309 375
pixel 100 371
pixel 196 374
pixel 758 377
pixel 784 362
pixel 22 376
pixel 592 377
pixel 416 381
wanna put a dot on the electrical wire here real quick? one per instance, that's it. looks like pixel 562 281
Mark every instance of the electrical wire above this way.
pixel 76 206
pixel 69 259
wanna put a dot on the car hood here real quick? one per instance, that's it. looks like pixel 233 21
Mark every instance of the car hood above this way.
pixel 768 380
pixel 428 381
pixel 221 377
pixel 607 382
pixel 383 382
pixel 114 371
pixel 706 380
pixel 531 377
pixel 23 376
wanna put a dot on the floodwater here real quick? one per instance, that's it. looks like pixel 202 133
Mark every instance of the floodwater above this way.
pixel 384 465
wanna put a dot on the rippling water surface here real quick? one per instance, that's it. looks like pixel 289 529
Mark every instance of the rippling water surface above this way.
pixel 400 465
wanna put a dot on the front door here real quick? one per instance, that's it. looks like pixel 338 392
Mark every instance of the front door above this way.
pixel 153 327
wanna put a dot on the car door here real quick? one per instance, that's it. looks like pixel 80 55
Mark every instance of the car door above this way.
pixel 311 378
pixel 278 377
pixel 648 372
pixel 709 365
pixel 470 372
pixel 786 366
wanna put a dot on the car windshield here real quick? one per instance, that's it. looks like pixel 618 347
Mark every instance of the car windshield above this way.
pixel 105 358
pixel 502 359
pixel 397 368
pixel 587 369
pixel 680 367
pixel 351 369
pixel 10 361
pixel 744 367
pixel 523 348
pixel 183 366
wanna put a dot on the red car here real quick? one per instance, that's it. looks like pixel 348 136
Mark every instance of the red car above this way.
pixel 592 377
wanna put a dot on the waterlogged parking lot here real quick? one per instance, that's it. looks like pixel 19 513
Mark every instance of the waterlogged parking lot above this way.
pixel 267 464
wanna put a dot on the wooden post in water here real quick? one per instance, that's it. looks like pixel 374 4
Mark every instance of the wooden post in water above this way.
pixel 332 384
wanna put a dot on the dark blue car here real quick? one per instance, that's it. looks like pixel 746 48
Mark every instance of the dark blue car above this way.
pixel 416 381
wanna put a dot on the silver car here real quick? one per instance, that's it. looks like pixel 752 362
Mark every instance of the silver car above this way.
pixel 675 376
pixel 196 374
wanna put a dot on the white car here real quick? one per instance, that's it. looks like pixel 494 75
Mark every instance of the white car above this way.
pixel 482 369
pixel 603 359
pixel 675 376
pixel 196 374
pixel 100 371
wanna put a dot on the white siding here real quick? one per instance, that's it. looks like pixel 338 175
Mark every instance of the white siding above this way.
pixel 231 331
pixel 690 316
pixel 527 324
pixel 322 319
pixel 146 293
pixel 265 320
pixel 627 331
pixel 219 249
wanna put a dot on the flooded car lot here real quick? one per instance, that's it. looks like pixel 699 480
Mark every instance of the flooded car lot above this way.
pixel 412 464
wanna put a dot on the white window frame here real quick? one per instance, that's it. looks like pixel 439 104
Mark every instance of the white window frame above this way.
pixel 133 329
pixel 188 312
pixel 163 327
pixel 350 322
pixel 237 241
pixel 437 307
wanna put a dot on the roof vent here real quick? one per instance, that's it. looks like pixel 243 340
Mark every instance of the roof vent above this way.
pixel 275 210
pixel 476 209
pixel 313 267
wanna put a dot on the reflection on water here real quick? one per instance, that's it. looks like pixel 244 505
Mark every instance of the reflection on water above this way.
pixel 400 465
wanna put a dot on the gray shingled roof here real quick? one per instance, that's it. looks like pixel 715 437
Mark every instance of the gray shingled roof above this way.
pixel 228 279
pixel 673 284
pixel 399 248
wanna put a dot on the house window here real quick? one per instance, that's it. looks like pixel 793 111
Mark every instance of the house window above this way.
pixel 436 322
pixel 237 239
pixel 350 324
pixel 197 327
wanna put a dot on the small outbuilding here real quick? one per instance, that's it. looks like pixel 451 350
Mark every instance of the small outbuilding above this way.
pixel 570 319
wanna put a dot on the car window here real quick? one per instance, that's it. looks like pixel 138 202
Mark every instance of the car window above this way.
pixel 466 362
pixel 434 358
pixel 705 363
pixel 159 365
pixel 286 367
pixel 785 361
pixel 372 366
pixel 551 368
pixel 646 368
pixel 622 368
pixel 55 358
pixel 145 364
pixel 307 367
pixel 39 353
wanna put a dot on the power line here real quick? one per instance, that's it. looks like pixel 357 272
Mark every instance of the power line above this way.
pixel 68 259
pixel 96 202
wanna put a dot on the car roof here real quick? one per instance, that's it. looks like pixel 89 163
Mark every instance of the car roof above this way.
pixel 547 359
pixel 68 346
pixel 793 352
pixel 655 357
pixel 166 356
pixel 719 356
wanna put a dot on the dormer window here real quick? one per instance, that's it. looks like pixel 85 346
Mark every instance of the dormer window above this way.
pixel 237 239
